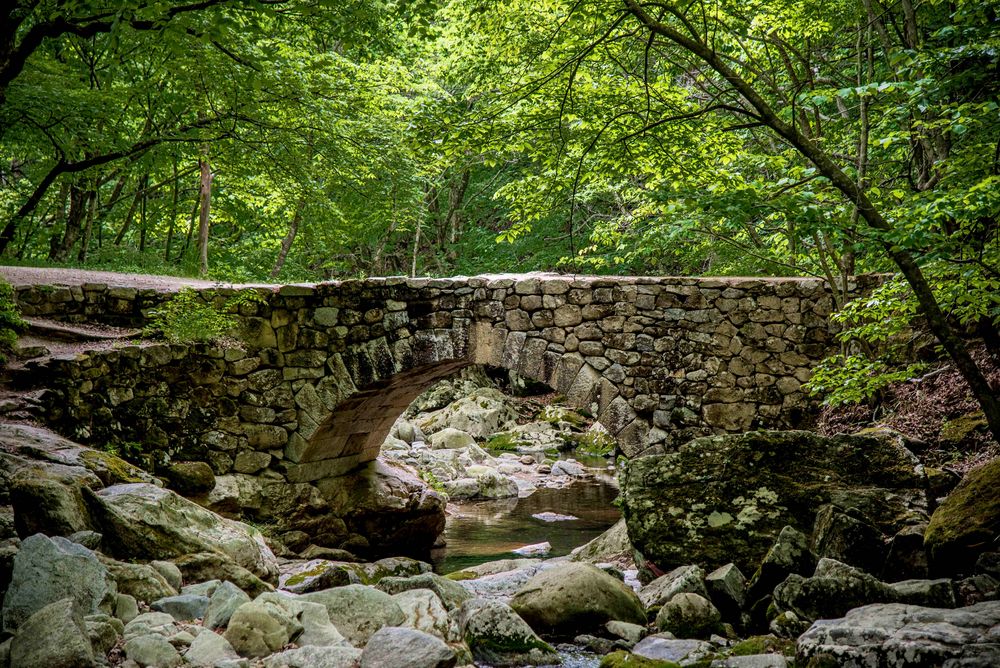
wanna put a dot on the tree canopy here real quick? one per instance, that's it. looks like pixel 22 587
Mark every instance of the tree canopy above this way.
pixel 305 139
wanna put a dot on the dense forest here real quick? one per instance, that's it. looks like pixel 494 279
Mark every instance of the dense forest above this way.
pixel 307 139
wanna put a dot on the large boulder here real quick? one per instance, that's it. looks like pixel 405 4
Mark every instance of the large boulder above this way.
pixel 55 636
pixel 390 506
pixel 689 616
pixel 425 612
pixel 262 627
pixel 141 581
pixel 47 570
pixel 967 523
pixel 724 498
pixel 480 414
pixel 690 579
pixel 499 637
pixel 904 636
pixel 358 611
pixel 205 566
pixel 144 521
pixel 573 598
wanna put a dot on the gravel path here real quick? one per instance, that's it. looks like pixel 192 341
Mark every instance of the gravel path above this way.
pixel 53 276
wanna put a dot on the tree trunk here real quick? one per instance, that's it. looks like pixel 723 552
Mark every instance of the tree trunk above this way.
pixel 89 226
pixel 203 216
pixel 173 215
pixel 130 214
pixel 286 243
pixel 79 203
pixel 142 213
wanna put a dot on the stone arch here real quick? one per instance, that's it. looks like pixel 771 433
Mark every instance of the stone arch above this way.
pixel 345 416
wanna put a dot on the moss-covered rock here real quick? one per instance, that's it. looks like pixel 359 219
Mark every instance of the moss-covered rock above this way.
pixel 967 523
pixel 725 498
pixel 622 659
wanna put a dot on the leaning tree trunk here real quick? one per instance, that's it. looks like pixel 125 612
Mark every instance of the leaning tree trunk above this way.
pixel 286 243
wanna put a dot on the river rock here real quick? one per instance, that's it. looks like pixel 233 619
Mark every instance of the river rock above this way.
pixel 611 546
pixel 727 590
pixel 48 497
pixel 451 593
pixel 748 486
pixel 358 611
pixel 54 636
pixel 789 554
pixel 425 612
pixel 967 523
pixel 104 632
pixel 833 589
pixel 315 657
pixel 938 593
pixel 144 521
pixel 126 608
pixel 499 637
pixel 152 651
pixel 209 566
pixel 570 468
pixel 183 607
pixel 141 581
pixel 689 615
pixel 190 478
pixel 223 602
pixel 400 647
pixel 664 647
pixel 47 570
pixel 209 649
pixel 897 635
pixel 573 597
pixel 262 627
pixel 390 506
pixel 484 412
pixel 682 579
pixel 450 438
pixel 848 537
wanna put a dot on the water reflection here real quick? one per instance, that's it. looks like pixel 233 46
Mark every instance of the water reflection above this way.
pixel 483 531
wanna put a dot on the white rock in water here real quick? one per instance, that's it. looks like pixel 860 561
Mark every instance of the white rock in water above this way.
pixel 554 517
pixel 536 550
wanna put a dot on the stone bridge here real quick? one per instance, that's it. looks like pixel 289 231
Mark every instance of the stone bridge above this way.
pixel 324 370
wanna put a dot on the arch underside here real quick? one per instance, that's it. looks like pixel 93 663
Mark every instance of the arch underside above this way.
pixel 354 431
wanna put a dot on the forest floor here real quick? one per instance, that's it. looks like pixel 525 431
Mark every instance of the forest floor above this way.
pixel 60 276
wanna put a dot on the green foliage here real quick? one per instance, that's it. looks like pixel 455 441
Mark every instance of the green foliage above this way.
pixel 189 318
pixel 11 323
pixel 432 481
pixel 595 442
pixel 502 442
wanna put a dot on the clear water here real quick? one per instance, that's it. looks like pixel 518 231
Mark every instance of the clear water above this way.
pixel 477 532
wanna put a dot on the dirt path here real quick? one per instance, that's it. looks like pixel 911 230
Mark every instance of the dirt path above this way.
pixel 52 276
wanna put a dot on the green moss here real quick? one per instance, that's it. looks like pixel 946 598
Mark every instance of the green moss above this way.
pixel 763 645
pixel 302 576
pixel 504 441
pixel 458 576
pixel 523 645
pixel 11 323
pixel 114 468
pixel 622 659
pixel 594 442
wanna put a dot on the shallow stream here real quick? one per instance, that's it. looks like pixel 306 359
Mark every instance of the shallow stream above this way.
pixel 481 531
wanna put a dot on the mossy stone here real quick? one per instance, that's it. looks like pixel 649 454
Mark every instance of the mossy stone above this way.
pixel 967 523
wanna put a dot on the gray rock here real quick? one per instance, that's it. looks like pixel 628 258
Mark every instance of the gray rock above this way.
pixel 425 612
pixel 47 570
pixel 848 537
pixel 572 597
pixel 789 554
pixel 930 593
pixel 261 628
pixel 358 611
pixel 206 588
pixel 183 607
pixel 151 622
pixel 209 649
pixel 142 581
pixel 103 632
pixel 152 650
pixel 317 628
pixel 450 438
pixel 834 589
pixel 169 571
pixel 689 615
pixel 568 467
pixel 224 600
pixel 630 633
pixel 451 593
pixel 681 579
pixel 205 566
pixel 400 647
pixel 144 521
pixel 126 608
pixel 663 647
pixel 315 657
pixel 905 636
pixel 727 590
pixel 89 539
pixel 497 636
pixel 54 636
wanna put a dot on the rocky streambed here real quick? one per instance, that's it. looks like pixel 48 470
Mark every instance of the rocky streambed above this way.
pixel 752 550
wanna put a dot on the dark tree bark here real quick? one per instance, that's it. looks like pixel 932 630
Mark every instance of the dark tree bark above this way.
pixel 205 197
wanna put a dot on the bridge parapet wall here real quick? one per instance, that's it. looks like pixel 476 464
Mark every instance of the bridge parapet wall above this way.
pixel 325 370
